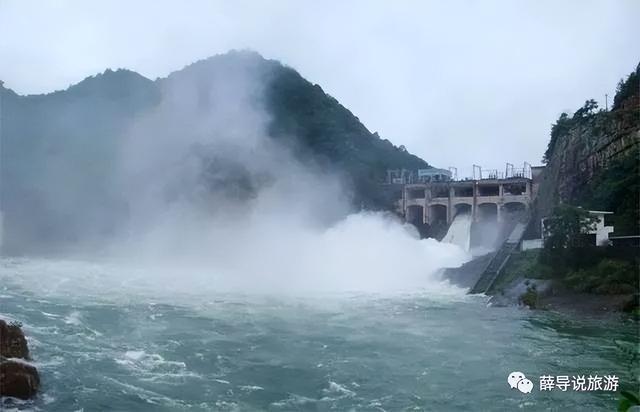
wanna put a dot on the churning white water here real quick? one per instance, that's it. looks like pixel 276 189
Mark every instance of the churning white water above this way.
pixel 459 232
pixel 365 252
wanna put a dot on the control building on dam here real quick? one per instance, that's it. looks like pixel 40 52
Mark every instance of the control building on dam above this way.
pixel 435 197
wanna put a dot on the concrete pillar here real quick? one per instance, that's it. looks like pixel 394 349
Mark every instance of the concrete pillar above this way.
pixel 424 209
pixel 427 201
pixel 474 204
pixel 449 212
pixel 404 202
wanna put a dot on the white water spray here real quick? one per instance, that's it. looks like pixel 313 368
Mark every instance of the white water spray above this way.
pixel 459 232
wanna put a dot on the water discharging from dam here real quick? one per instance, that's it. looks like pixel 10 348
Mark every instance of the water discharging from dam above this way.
pixel 459 232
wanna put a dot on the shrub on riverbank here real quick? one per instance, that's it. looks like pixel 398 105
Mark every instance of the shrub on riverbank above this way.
pixel 530 297
pixel 601 270
pixel 580 265
pixel 609 277
pixel 528 264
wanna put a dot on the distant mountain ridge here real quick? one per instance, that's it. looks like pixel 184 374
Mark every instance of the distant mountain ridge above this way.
pixel 70 137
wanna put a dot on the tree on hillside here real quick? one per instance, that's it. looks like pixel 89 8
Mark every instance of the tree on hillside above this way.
pixel 567 227
pixel 558 129
pixel 627 88
pixel 565 238
pixel 617 188
pixel 590 106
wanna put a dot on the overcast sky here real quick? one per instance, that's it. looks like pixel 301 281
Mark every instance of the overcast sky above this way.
pixel 456 82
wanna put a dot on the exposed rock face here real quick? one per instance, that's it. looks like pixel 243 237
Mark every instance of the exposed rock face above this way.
pixel 590 144
pixel 586 144
pixel 13 344
pixel 17 378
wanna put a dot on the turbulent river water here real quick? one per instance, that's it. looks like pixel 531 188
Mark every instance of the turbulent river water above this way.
pixel 103 346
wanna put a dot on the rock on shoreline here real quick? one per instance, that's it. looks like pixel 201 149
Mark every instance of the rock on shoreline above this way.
pixel 18 378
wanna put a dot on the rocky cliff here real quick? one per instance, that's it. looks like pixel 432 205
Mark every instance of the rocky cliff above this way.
pixel 592 159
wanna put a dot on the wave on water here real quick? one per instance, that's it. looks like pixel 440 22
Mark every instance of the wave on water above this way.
pixel 154 367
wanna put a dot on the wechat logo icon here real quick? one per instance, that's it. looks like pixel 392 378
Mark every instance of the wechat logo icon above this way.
pixel 517 380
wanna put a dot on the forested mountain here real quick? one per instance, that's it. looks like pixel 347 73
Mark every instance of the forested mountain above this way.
pixel 59 150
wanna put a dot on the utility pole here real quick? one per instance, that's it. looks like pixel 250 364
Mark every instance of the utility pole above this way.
pixel 454 172
pixel 508 171
pixel 606 102
pixel 479 169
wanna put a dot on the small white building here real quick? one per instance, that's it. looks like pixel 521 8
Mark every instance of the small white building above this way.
pixel 600 230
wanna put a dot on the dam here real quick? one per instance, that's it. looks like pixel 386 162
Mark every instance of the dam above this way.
pixel 486 215
pixel 435 197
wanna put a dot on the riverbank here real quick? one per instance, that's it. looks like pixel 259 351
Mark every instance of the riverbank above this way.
pixel 593 290
pixel 526 282
pixel 545 294
pixel 586 304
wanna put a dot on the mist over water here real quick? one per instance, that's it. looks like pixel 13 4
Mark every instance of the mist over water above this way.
pixel 208 201
pixel 218 196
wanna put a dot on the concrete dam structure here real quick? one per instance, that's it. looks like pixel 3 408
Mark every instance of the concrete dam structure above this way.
pixel 485 200
pixel 489 207
pixel 485 216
